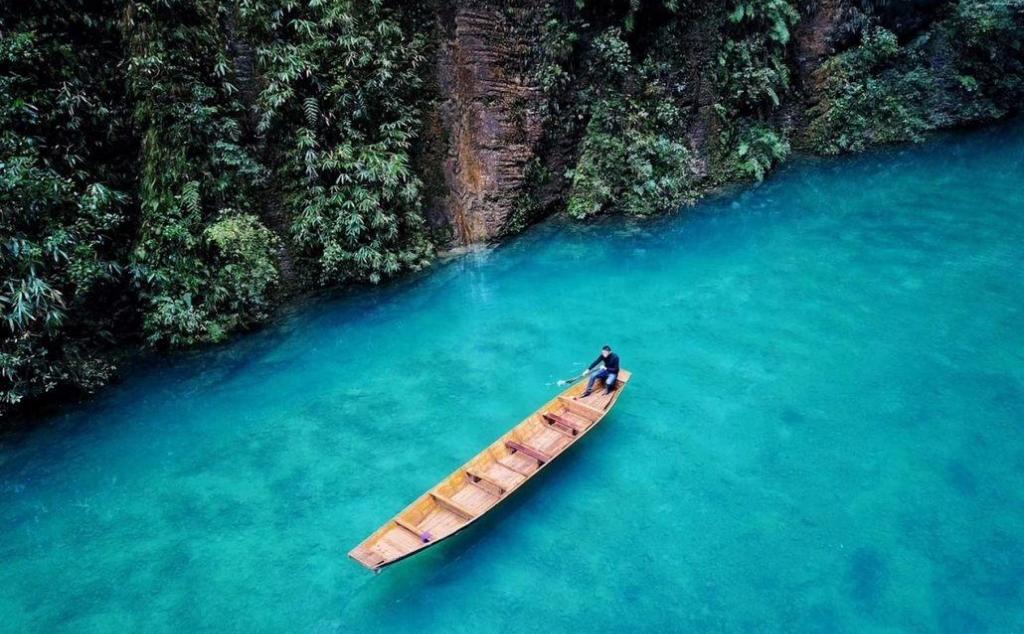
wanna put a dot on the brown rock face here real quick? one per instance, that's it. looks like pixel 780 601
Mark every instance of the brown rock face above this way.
pixel 825 28
pixel 491 114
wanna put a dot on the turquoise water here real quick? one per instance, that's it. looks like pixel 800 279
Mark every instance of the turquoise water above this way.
pixel 823 432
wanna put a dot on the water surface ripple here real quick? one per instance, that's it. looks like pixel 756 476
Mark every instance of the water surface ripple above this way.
pixel 823 433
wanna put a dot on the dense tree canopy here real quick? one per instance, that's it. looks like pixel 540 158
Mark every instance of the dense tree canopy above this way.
pixel 65 196
pixel 161 160
pixel 170 169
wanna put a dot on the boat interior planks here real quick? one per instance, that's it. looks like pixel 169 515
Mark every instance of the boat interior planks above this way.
pixel 490 477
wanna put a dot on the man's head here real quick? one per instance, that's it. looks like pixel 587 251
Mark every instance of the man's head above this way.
pixel 605 351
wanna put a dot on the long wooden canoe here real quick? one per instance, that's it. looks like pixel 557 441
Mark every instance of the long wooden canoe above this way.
pixel 490 477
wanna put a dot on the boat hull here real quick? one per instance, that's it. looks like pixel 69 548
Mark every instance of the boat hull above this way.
pixel 489 478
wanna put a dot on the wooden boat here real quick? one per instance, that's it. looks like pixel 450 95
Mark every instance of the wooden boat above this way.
pixel 490 477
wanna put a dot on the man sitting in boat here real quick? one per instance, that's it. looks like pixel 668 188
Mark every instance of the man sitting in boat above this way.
pixel 608 373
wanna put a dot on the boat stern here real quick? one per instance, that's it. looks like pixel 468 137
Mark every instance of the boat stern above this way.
pixel 367 558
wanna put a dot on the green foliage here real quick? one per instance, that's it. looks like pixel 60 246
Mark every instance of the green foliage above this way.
pixel 243 253
pixel 870 99
pixel 626 166
pixel 777 15
pixel 342 103
pixel 759 149
pixel 149 210
pixel 969 67
pixel 62 164
pixel 196 171
pixel 630 159
pixel 557 47
pixel 752 70
pixel 753 78
pixel 988 42
pixel 161 159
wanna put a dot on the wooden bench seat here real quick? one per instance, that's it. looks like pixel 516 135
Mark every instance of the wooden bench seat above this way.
pixel 477 478
pixel 591 413
pixel 520 463
pixel 412 528
pixel 564 421
pixel 452 505
pixel 533 452
pixel 551 441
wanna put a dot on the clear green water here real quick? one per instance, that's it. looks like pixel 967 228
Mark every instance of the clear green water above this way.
pixel 823 433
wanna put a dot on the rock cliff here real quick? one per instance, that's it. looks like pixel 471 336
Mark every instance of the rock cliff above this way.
pixel 178 170
pixel 512 145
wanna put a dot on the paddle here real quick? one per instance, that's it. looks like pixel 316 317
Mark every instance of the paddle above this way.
pixel 564 382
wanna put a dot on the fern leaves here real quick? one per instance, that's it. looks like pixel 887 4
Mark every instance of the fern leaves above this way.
pixel 312 111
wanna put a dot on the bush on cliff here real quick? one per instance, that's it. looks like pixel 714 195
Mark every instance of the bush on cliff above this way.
pixel 967 68
pixel 631 156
